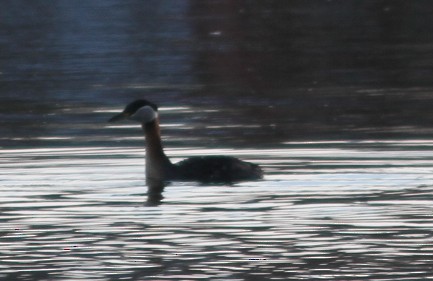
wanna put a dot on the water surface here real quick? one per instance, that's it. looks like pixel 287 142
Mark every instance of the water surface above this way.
pixel 332 98
pixel 325 210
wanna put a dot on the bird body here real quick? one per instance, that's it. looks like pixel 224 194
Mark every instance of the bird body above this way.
pixel 217 169
pixel 199 168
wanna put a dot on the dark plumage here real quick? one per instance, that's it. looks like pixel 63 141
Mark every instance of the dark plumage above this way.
pixel 202 168
pixel 217 169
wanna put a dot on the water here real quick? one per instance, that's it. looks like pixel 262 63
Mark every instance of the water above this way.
pixel 332 98
pixel 325 210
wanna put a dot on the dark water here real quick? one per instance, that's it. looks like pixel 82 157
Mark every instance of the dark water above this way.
pixel 332 98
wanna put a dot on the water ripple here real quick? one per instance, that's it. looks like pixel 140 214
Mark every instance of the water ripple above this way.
pixel 335 211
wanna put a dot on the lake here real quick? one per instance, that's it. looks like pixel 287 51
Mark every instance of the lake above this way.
pixel 332 98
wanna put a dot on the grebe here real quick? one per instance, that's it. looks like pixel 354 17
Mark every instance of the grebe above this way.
pixel 222 169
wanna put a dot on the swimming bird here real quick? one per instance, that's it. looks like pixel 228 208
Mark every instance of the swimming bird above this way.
pixel 223 169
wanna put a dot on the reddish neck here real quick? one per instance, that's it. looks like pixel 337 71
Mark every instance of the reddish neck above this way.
pixel 158 166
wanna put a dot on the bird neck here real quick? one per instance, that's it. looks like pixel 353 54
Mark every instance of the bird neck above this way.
pixel 158 166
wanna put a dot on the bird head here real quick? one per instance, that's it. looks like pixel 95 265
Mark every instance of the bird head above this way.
pixel 142 111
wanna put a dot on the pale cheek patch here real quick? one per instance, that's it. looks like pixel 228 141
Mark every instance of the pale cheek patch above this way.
pixel 145 114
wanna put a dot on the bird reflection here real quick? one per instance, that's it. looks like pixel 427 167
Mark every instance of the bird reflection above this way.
pixel 154 192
